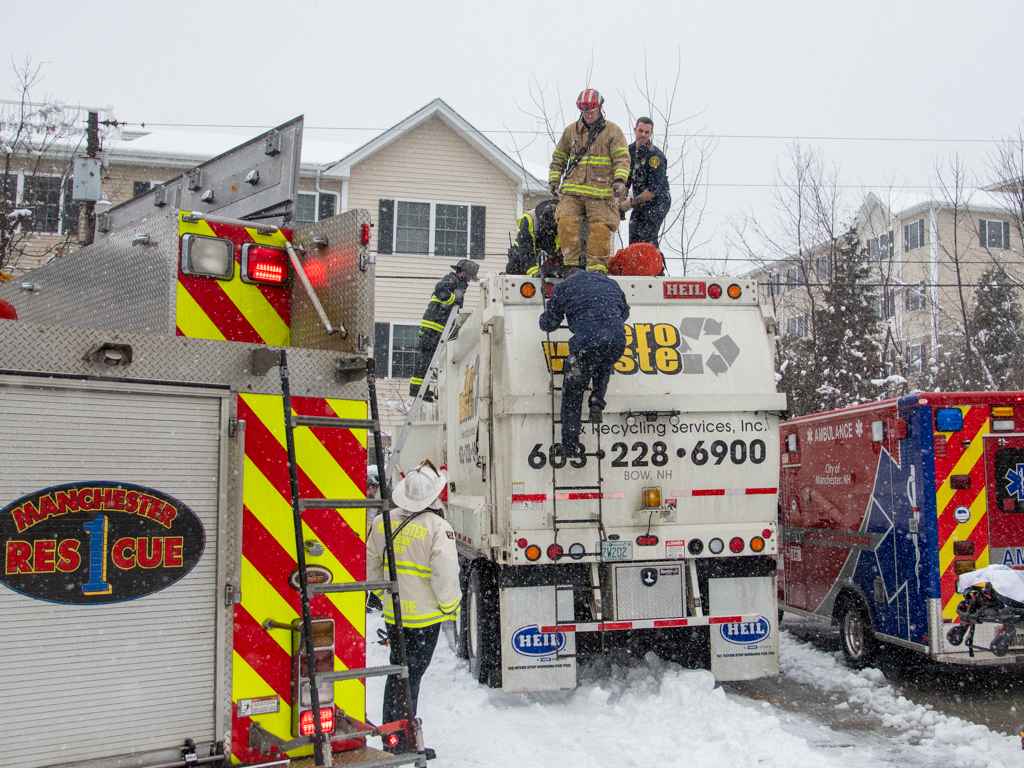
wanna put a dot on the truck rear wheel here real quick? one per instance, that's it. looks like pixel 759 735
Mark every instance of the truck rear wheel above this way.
pixel 483 625
pixel 859 644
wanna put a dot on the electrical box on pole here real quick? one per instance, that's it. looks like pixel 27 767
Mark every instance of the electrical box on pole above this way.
pixel 86 179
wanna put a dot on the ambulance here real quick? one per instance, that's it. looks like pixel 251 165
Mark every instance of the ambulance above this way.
pixel 884 505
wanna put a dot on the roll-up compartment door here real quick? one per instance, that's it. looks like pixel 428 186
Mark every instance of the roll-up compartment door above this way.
pixel 86 673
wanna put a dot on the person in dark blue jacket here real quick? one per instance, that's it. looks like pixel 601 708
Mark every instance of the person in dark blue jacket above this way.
pixel 648 178
pixel 596 310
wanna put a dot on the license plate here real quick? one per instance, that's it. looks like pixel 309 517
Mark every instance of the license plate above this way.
pixel 617 550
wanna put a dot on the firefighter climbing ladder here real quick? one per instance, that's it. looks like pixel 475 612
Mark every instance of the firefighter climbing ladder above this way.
pixel 258 737
pixel 558 460
pixel 414 409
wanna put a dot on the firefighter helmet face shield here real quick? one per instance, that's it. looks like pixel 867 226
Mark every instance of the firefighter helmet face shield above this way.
pixel 589 100
pixel 470 268
pixel 207 256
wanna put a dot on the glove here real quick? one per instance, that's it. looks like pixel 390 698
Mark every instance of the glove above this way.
pixel 553 186
pixel 459 293
pixel 625 205
pixel 620 189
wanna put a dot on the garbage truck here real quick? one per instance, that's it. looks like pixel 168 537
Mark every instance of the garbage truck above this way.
pixel 663 535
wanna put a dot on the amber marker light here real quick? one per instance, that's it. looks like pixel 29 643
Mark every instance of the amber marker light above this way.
pixel 527 290
pixel 734 291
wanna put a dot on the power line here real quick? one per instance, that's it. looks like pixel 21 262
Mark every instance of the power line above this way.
pixel 503 131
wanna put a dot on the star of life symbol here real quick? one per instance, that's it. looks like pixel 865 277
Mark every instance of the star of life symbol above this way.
pixel 1016 485
pixel 810 436
pixel 858 428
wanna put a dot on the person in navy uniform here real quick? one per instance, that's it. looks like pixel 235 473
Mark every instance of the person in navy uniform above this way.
pixel 648 179
pixel 596 310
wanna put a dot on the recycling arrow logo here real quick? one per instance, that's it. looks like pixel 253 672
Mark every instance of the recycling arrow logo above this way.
pixel 719 361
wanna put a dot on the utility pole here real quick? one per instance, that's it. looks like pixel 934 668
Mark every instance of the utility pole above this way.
pixel 92 149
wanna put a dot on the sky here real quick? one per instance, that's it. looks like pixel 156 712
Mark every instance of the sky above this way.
pixel 881 88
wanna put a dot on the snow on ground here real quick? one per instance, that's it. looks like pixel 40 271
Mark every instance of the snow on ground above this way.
pixel 652 713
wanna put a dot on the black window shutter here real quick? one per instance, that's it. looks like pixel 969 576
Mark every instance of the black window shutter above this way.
pixel 382 349
pixel 1006 235
pixel 326 207
pixel 386 226
pixel 477 229
pixel 920 232
pixel 906 238
pixel 981 232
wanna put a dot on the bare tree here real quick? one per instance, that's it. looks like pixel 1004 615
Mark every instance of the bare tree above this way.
pixel 688 152
pixel 38 142
pixel 1006 166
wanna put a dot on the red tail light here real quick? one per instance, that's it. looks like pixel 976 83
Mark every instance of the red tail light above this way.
pixel 263 264
pixel 736 545
pixel 391 739
pixel 715 291
pixel 306 727
pixel 555 552
pixel 365 239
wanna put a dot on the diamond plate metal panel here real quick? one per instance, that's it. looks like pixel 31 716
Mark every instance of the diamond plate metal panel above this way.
pixel 65 350
pixel 344 289
pixel 110 284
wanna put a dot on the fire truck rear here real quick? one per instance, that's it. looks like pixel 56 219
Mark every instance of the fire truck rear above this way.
pixel 884 505
pixel 663 536
pixel 150 583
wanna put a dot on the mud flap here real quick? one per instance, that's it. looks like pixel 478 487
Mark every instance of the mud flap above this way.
pixel 533 660
pixel 748 650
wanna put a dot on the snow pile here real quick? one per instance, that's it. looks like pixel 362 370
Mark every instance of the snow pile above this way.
pixel 936 737
pixel 652 714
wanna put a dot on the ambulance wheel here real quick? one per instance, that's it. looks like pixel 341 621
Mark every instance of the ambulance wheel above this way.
pixel 483 625
pixel 859 644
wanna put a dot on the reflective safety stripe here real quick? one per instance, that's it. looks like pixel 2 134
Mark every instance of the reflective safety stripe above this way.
pixel 431 326
pixel 598 268
pixel 533 270
pixel 621 172
pixel 415 619
pixel 619 152
pixel 554 175
pixel 416 382
pixel 447 302
pixel 449 607
pixel 579 189
pixel 559 153
pixel 596 161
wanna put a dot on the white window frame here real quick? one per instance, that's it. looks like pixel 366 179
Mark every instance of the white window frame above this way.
pixel 915 358
pixel 917 224
pixel 774 284
pixel 19 198
pixel 433 227
pixel 391 347
pixel 316 205
pixel 916 297
pixel 1004 229
pixel 797 326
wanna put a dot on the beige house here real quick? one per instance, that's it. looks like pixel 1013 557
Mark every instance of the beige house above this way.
pixel 922 251
pixel 438 191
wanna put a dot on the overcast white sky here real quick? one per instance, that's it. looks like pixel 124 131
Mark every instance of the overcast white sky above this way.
pixel 913 70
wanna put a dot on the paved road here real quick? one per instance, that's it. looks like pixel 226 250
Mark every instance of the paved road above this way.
pixel 991 696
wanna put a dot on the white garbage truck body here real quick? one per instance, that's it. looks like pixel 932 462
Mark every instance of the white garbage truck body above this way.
pixel 663 534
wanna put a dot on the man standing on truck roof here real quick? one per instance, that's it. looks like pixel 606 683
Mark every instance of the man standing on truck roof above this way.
pixel 648 177
pixel 448 293
pixel 596 310
pixel 593 159
pixel 427 566
pixel 536 242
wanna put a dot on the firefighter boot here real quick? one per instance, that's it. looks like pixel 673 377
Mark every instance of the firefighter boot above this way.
pixel 599 246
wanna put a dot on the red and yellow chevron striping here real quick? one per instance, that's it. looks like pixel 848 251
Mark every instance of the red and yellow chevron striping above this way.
pixel 965 455
pixel 331 464
pixel 230 309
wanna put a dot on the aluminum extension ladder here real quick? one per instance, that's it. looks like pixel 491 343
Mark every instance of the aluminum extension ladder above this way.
pixel 414 410
pixel 262 739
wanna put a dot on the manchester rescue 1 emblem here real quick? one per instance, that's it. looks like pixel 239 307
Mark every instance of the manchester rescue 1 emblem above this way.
pixel 654 162
pixel 97 542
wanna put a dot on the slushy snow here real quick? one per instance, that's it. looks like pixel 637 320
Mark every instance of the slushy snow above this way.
pixel 651 713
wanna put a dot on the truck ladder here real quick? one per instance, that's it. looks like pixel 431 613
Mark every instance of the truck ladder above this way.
pixel 414 410
pixel 594 492
pixel 322 753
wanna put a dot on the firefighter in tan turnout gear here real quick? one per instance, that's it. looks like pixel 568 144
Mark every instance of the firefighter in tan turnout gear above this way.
pixel 590 166
pixel 428 576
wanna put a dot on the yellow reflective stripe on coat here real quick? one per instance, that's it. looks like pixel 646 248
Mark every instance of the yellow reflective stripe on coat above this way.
pixel 554 175
pixel 447 302
pixel 431 326
pixel 596 161
pixel 414 620
pixel 579 189
pixel 621 173
pixel 533 271
pixel 559 153
pixel 619 152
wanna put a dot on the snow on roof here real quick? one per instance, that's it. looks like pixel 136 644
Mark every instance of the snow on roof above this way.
pixel 188 148
pixel 901 204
